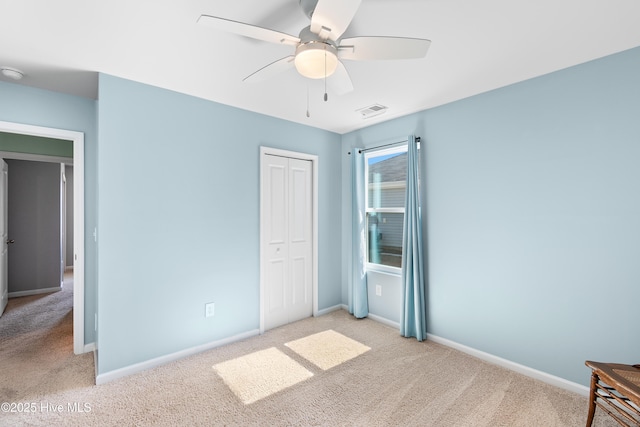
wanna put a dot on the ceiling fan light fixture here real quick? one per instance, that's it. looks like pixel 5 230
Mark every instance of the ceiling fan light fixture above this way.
pixel 316 60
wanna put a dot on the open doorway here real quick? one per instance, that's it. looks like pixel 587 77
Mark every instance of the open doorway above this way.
pixel 77 139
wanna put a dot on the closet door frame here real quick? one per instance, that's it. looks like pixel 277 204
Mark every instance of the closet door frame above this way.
pixel 264 151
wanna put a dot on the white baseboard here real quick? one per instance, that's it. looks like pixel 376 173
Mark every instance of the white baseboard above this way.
pixel 95 363
pixel 375 317
pixel 329 310
pixel 384 321
pixel 34 292
pixel 513 366
pixel 162 360
pixel 89 347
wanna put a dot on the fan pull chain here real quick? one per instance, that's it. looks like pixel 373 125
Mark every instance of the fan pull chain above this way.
pixel 326 97
pixel 308 114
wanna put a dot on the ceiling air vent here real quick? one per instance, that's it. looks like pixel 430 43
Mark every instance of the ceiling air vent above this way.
pixel 372 111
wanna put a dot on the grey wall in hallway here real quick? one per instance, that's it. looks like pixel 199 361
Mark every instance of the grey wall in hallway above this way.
pixel 34 224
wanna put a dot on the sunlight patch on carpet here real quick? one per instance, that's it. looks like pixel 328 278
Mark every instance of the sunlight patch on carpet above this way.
pixel 327 349
pixel 261 374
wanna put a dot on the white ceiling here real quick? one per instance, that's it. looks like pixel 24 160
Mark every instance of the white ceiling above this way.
pixel 476 46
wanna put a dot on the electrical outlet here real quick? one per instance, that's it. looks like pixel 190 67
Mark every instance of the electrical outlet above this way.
pixel 378 290
pixel 209 309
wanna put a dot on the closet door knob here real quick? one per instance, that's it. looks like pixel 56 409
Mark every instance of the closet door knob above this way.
pixel 10 241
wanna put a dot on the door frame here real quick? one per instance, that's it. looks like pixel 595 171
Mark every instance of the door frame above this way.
pixel 78 212
pixel 4 235
pixel 264 151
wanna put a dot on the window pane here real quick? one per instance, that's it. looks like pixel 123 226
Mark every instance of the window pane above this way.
pixel 387 180
pixel 384 239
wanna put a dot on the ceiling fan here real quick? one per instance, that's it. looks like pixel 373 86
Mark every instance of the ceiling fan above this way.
pixel 319 48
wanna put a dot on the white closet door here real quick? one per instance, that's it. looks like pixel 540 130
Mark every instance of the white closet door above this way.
pixel 300 240
pixel 276 177
pixel 287 222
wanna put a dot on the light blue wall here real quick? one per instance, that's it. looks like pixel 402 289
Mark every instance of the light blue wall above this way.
pixel 533 216
pixel 179 218
pixel 387 305
pixel 31 106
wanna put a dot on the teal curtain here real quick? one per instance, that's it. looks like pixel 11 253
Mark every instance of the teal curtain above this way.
pixel 413 320
pixel 358 299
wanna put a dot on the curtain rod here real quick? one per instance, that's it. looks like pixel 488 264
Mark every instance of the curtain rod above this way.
pixel 385 145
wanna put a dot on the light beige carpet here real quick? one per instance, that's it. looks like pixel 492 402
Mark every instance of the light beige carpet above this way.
pixel 36 347
pixel 397 382
pixel 327 349
pixel 261 374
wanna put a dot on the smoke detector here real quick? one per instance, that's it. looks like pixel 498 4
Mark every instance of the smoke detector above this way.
pixel 11 73
pixel 372 111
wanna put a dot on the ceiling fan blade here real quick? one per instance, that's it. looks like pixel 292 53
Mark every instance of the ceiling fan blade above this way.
pixel 331 18
pixel 271 70
pixel 340 82
pixel 248 30
pixel 376 48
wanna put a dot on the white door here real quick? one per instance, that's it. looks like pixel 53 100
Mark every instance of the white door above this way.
pixel 4 238
pixel 288 240
pixel 300 239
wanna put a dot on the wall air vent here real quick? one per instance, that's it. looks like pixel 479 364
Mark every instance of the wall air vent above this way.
pixel 372 111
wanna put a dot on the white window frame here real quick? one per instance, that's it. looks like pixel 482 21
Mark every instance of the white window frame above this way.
pixel 402 148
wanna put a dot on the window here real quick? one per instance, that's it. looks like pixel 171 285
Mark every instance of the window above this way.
pixel 386 178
